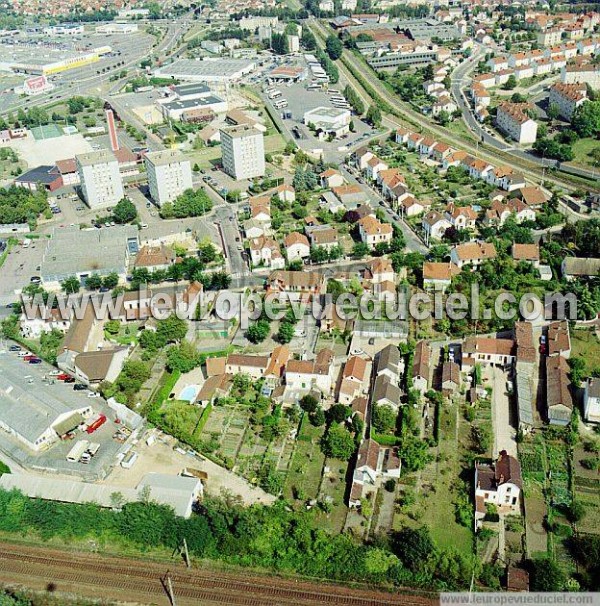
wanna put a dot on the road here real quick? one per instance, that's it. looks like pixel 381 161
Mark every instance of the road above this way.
pixel 413 243
pixel 532 167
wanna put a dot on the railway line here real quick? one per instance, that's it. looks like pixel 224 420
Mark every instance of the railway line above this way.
pixel 120 578
pixel 407 117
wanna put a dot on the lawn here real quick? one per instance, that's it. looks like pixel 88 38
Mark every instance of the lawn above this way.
pixel 584 344
pixel 304 476
pixel 438 487
pixel 582 149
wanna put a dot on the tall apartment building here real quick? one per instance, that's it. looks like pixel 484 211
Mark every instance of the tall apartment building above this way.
pixel 243 151
pixel 513 120
pixel 100 178
pixel 169 175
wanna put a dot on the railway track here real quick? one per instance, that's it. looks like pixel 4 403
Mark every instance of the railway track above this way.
pixel 118 578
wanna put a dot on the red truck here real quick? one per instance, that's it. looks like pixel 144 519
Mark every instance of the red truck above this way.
pixel 95 422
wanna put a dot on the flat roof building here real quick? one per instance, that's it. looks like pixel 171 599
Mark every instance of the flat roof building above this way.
pixel 221 71
pixel 36 418
pixel 169 175
pixel 79 252
pixel 177 492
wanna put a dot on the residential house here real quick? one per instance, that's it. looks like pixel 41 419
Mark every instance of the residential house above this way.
pixel 440 151
pixel 438 275
pixel 528 253
pixel 386 392
pixel 297 246
pixel 33 326
pixel 499 484
pixel 361 157
pixel 434 225
pixel 411 207
pixel 487 351
pixel 472 253
pixel 381 270
pixel 533 196
pixel 591 401
pixel 501 210
pixel 373 232
pixel 215 386
pixel 265 252
pixel 558 395
pixel 478 169
pixel 374 165
pixel 421 369
pixel 389 363
pixel 253 366
pixel 461 217
pixel 305 282
pixel 350 196
pixel 358 213
pixel 402 136
pixel 559 339
pixel 331 178
pixel 323 236
pixel 353 379
pixel 155 258
pixel 450 377
pixel 302 376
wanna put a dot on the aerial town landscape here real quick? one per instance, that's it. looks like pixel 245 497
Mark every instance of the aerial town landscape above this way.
pixel 299 301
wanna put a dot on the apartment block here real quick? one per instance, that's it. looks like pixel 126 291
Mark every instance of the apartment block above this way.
pixel 243 152
pixel 568 97
pixel 169 175
pixel 100 178
pixel 512 119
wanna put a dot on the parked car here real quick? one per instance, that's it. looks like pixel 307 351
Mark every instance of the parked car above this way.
pixel 79 387
pixel 62 376
pixel 69 380
pixel 14 348
pixel 35 361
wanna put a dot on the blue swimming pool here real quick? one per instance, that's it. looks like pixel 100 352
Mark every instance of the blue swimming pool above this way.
pixel 189 393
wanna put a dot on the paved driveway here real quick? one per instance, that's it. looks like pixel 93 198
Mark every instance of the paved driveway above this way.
pixel 504 433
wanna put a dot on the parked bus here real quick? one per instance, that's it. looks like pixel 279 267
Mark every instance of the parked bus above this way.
pixel 275 94
pixel 78 449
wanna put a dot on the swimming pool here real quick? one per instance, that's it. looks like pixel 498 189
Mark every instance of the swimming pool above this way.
pixel 189 393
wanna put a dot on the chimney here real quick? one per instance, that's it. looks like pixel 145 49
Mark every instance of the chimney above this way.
pixel 112 130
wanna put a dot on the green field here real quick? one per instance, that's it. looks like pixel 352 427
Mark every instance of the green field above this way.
pixel 583 149
pixel 585 344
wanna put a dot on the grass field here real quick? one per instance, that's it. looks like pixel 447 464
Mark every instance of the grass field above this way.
pixel 583 149
pixel 585 344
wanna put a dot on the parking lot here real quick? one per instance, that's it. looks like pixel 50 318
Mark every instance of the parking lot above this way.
pixel 37 377
pixel 300 101
pixel 21 263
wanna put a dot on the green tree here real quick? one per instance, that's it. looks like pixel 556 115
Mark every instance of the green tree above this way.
pixel 338 413
pixel 70 285
pixel 334 47
pixel 112 327
pixel 93 282
pixel 110 281
pixel 547 575
pixel 553 111
pixel 374 116
pixel 338 443
pixel 258 331
pixel 183 357
pixel 586 119
pixel 124 211
pixel 384 418
pixel 309 403
pixel 414 547
pixel 511 83
pixel 360 250
pixel 171 329
pixel 286 332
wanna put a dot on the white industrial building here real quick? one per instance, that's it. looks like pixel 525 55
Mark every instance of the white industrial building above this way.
pixel 117 28
pixel 217 71
pixel 34 417
pixel 100 178
pixel 243 152
pixel 177 492
pixel 329 120
pixel 169 175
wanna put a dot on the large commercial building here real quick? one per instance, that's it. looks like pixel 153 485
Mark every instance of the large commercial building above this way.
pixel 169 175
pixel 329 120
pixel 243 151
pixel 215 71
pixel 100 178
pixel 78 252
pixel 190 99
pixel 36 418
